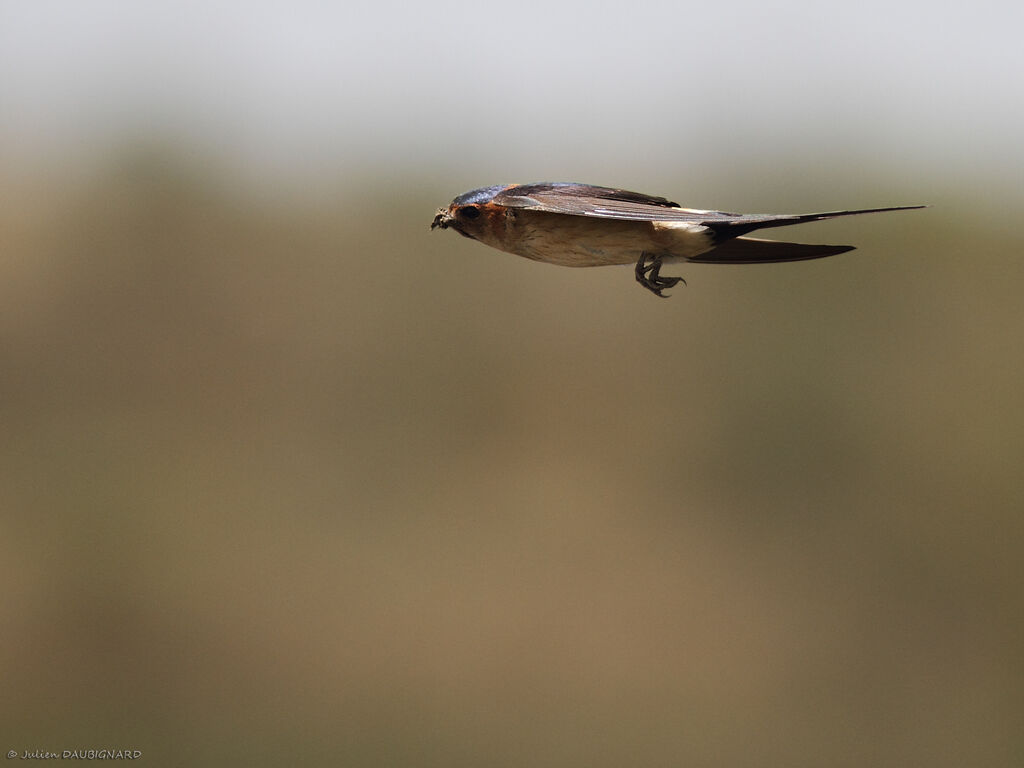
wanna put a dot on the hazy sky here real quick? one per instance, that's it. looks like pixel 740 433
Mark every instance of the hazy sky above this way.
pixel 520 88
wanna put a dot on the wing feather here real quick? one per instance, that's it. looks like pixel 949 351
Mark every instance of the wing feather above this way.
pixel 602 202
pixel 609 203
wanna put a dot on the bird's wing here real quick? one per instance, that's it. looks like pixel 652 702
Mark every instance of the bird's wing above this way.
pixel 601 202
pixel 608 203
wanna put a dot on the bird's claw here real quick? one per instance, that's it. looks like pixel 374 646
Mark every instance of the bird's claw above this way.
pixel 648 275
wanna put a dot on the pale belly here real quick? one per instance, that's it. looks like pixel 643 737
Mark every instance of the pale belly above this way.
pixel 581 241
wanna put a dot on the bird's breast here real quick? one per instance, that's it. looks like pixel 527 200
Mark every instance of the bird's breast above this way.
pixel 589 241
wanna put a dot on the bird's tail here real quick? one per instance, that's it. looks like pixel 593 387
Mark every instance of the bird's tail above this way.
pixel 750 250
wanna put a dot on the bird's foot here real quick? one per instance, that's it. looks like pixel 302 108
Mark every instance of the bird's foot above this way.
pixel 648 275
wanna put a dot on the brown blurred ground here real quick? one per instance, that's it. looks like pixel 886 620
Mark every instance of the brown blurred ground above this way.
pixel 296 482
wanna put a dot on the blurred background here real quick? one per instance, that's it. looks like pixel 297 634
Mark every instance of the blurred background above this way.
pixel 287 478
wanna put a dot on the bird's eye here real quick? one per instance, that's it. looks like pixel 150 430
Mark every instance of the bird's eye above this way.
pixel 469 212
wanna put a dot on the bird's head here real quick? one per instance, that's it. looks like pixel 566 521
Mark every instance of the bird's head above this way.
pixel 469 214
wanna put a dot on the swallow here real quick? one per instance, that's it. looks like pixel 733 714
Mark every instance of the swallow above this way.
pixel 580 225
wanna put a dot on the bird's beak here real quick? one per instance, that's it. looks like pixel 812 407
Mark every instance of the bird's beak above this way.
pixel 442 219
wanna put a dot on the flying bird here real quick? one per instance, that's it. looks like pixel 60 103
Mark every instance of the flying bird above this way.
pixel 580 225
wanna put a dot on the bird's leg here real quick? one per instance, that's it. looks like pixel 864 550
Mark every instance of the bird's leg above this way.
pixel 649 275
